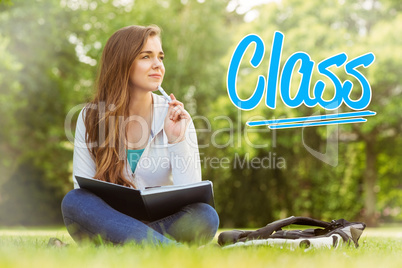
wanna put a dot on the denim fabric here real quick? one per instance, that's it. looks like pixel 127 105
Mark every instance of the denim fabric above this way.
pixel 87 216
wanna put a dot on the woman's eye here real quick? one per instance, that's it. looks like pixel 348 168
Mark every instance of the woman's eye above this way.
pixel 161 58
pixel 146 57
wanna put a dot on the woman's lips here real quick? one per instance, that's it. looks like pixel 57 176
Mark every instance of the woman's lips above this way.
pixel 157 76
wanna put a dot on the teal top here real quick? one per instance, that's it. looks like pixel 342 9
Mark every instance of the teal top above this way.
pixel 133 156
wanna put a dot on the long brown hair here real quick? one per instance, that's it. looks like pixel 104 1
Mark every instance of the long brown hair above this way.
pixel 111 102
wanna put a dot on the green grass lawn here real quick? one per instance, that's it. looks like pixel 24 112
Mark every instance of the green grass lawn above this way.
pixel 380 247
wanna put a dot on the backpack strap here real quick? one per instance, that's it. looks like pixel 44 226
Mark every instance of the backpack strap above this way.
pixel 266 231
pixel 230 237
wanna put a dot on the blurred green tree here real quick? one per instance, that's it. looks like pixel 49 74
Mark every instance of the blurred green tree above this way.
pixel 309 186
pixel 49 52
pixel 33 94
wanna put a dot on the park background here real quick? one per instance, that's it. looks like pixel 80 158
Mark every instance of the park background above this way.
pixel 49 52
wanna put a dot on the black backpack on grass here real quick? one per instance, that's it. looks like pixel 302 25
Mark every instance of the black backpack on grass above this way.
pixel 330 235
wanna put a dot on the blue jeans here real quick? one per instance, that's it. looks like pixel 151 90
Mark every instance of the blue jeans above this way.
pixel 87 216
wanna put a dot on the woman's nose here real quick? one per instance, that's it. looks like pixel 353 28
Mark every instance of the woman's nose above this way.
pixel 157 64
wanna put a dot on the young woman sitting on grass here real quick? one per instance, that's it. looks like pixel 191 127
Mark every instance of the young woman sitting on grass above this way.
pixel 129 136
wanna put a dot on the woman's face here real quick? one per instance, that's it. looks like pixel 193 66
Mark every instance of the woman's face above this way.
pixel 148 70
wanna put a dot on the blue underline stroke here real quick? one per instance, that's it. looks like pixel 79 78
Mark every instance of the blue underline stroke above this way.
pixel 310 118
pixel 319 123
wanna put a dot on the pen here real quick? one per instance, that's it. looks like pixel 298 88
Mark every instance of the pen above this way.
pixel 164 94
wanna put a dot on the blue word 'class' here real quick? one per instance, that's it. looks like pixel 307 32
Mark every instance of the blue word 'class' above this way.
pixel 342 90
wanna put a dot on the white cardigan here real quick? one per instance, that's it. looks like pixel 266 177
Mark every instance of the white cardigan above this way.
pixel 160 164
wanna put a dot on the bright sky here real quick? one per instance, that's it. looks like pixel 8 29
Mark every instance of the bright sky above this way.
pixel 244 6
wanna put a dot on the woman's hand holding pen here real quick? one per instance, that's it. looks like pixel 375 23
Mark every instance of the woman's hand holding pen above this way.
pixel 176 121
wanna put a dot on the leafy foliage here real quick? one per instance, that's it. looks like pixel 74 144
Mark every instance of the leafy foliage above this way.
pixel 49 52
